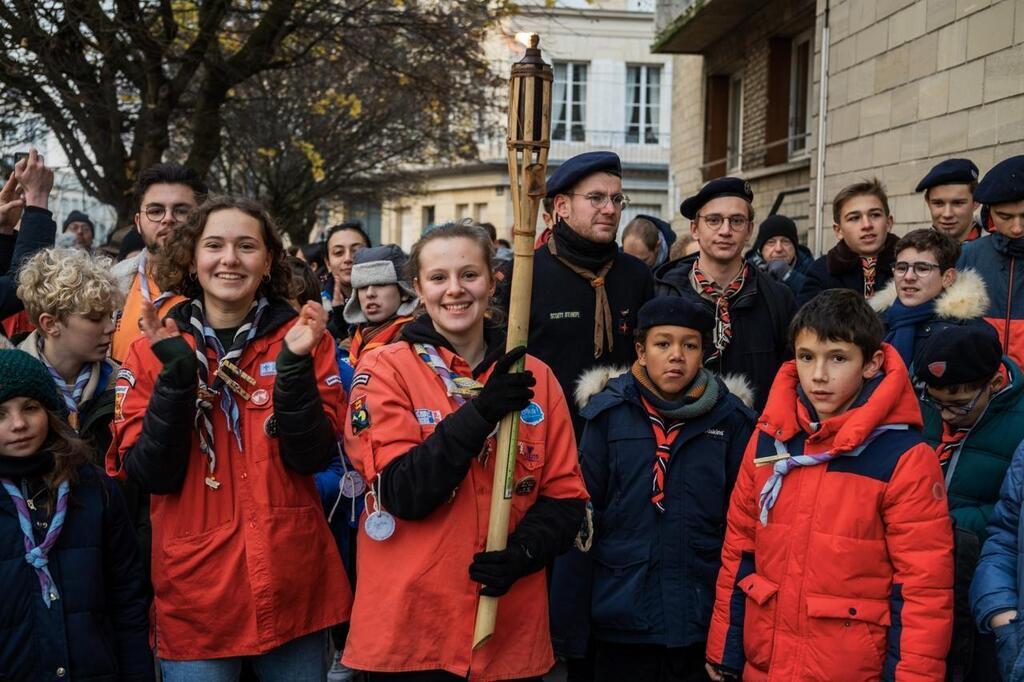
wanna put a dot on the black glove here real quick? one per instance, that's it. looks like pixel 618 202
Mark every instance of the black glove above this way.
pixel 497 571
pixel 504 392
pixel 779 269
pixel 178 359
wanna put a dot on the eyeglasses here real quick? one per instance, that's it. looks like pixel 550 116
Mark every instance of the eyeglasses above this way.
pixel 921 268
pixel 955 410
pixel 156 212
pixel 736 222
pixel 598 200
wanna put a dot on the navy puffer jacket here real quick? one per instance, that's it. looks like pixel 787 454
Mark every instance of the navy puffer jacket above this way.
pixel 97 630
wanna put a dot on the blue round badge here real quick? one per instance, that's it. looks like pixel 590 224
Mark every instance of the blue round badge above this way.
pixel 532 415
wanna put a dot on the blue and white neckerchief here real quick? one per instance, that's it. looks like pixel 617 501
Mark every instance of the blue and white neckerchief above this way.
pixel 72 394
pixel 36 556
pixel 458 387
pixel 773 486
pixel 210 382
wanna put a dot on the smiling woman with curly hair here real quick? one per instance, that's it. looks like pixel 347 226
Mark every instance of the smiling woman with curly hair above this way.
pixel 229 407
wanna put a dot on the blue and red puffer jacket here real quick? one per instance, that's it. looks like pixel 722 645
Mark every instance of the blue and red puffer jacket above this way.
pixel 851 579
pixel 1004 281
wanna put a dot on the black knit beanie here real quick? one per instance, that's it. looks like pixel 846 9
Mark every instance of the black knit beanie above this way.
pixel 22 376
pixel 776 226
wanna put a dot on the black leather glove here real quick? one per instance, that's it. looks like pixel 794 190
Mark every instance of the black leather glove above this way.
pixel 498 571
pixel 504 392
pixel 179 360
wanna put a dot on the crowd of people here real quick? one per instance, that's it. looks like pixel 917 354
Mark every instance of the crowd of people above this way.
pixel 222 459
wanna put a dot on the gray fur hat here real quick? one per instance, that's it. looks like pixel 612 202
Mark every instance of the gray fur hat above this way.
pixel 379 265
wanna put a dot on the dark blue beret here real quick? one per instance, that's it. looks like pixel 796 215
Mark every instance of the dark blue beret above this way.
pixel 719 187
pixel 1003 184
pixel 677 312
pixel 580 166
pixel 959 354
pixel 949 172
pixel 663 227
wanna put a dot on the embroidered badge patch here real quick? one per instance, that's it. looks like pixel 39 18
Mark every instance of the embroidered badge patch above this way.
pixel 127 375
pixel 333 380
pixel 361 379
pixel 427 417
pixel 119 393
pixel 937 369
pixel 525 486
pixel 532 415
pixel 268 369
pixel 360 415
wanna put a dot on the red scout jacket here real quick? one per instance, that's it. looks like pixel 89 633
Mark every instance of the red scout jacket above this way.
pixel 852 577
pixel 416 604
pixel 252 565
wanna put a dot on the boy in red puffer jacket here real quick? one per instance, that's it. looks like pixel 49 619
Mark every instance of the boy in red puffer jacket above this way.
pixel 838 555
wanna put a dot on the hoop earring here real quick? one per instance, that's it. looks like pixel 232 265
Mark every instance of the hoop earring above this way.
pixel 266 278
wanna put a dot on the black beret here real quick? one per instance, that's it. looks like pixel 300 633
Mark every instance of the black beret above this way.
pixel 580 166
pixel 958 355
pixel 677 312
pixel 776 226
pixel 949 172
pixel 719 187
pixel 1003 184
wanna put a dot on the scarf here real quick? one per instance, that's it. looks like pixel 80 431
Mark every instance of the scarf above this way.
pixel 367 337
pixel 668 418
pixel 794 457
pixel 721 299
pixel 591 261
pixel 33 466
pixel 1014 247
pixel 869 266
pixel 72 394
pixel 144 283
pixel 458 387
pixel 951 440
pixel 209 386
pixel 36 556
pixel 901 322
pixel 874 270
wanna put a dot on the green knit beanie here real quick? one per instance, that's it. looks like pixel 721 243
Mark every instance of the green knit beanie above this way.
pixel 22 376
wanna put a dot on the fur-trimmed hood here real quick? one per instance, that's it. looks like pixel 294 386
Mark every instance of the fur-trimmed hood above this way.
pixel 595 380
pixel 965 299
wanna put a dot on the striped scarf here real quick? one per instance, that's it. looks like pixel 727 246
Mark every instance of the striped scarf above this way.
pixel 36 556
pixel 794 457
pixel 72 394
pixel 665 434
pixel 205 335
pixel 459 388
pixel 721 299
pixel 869 265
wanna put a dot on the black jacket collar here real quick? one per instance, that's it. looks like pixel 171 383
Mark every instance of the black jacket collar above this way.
pixel 421 330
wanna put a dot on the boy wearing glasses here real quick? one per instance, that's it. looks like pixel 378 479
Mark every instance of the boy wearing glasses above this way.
pixel 752 310
pixel 862 258
pixel 972 399
pixel 165 193
pixel 927 293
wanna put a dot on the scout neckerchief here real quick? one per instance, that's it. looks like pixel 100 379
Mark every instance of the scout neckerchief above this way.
pixel 458 387
pixel 951 439
pixel 367 337
pixel 208 388
pixel 144 283
pixel 869 265
pixel 665 434
pixel 602 309
pixel 72 394
pixel 721 298
pixel 792 457
pixel 36 555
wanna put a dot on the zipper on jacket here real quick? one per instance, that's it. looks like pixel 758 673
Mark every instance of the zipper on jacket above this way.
pixel 1009 301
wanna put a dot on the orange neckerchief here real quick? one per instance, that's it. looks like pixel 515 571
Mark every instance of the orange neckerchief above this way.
pixel 367 338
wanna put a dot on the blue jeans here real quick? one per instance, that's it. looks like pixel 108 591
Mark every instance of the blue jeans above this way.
pixel 300 660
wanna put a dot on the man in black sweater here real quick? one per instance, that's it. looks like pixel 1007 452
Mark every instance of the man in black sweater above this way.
pixel 586 292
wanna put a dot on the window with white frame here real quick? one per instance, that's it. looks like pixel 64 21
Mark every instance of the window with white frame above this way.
pixel 734 139
pixel 643 99
pixel 799 94
pixel 569 100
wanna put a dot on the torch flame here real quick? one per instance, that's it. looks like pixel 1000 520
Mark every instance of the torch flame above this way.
pixel 527 39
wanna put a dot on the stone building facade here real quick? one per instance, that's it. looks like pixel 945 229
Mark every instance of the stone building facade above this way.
pixel 909 83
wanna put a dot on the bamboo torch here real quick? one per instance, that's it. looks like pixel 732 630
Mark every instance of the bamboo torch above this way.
pixel 529 136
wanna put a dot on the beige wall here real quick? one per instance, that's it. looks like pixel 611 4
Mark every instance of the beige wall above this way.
pixel 915 82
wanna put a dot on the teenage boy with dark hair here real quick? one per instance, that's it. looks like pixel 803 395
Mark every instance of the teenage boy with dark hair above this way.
pixel 927 294
pixel 660 451
pixel 972 399
pixel 838 554
pixel 862 258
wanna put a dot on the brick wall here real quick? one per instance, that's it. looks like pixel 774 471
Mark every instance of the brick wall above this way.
pixel 912 82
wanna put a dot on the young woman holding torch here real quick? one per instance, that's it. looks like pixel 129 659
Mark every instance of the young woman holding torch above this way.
pixel 422 418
